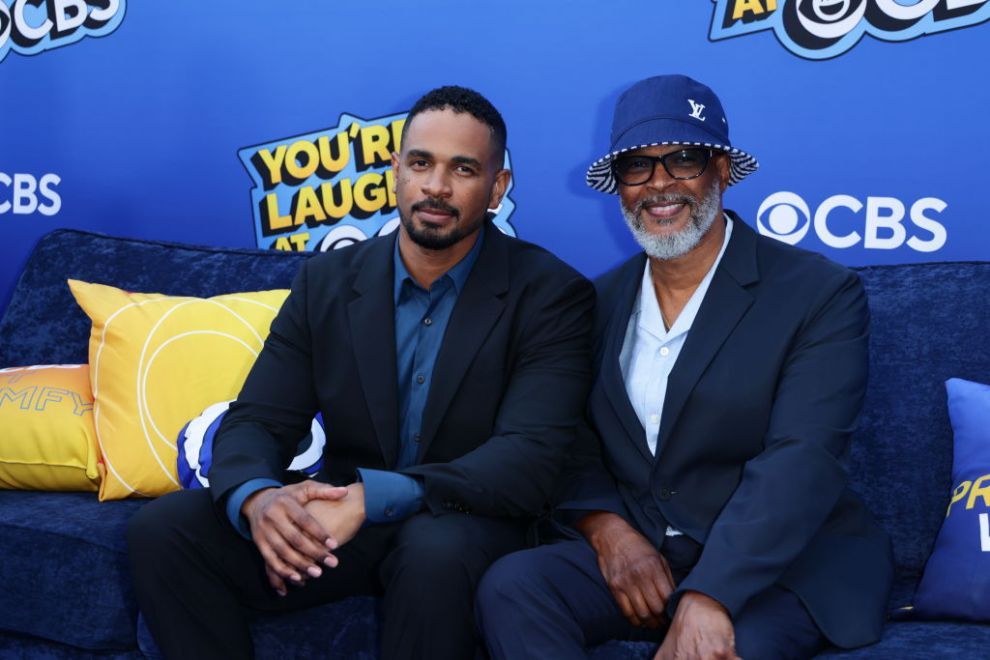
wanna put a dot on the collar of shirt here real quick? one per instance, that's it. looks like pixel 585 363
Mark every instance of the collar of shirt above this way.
pixel 457 274
pixel 647 307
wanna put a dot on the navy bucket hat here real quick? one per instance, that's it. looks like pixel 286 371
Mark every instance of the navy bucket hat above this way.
pixel 668 110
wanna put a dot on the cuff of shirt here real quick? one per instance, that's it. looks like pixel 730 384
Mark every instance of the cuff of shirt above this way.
pixel 236 501
pixel 389 496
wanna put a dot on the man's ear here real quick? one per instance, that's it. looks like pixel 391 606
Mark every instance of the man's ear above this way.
pixel 723 166
pixel 395 169
pixel 502 178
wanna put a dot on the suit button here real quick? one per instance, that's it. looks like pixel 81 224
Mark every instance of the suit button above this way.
pixel 665 494
pixel 389 512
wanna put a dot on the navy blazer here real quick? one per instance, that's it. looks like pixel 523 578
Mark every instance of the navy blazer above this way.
pixel 509 384
pixel 759 410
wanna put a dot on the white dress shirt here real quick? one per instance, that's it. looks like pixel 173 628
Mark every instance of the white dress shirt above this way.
pixel 650 351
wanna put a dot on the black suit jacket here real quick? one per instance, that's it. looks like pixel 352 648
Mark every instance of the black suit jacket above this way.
pixel 759 410
pixel 509 384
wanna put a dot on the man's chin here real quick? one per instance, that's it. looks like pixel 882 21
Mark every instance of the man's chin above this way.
pixel 433 239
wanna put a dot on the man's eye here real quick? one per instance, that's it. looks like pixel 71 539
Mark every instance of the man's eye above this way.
pixel 465 170
pixel 685 158
pixel 419 163
pixel 635 164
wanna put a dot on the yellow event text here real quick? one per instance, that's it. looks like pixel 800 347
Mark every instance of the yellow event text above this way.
pixel 330 202
pixel 753 7
pixel 971 491
pixel 326 156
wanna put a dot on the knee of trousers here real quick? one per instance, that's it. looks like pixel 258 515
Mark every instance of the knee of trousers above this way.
pixel 162 525
pixel 148 531
pixel 513 586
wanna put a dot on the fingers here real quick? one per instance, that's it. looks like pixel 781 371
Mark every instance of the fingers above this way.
pixel 627 608
pixel 317 490
pixel 293 544
pixel 274 579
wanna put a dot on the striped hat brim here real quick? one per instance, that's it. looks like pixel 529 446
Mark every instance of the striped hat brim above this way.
pixel 601 178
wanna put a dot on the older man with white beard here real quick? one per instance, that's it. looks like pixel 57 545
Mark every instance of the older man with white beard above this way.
pixel 707 507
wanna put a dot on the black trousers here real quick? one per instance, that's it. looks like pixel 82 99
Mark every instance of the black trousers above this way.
pixel 195 576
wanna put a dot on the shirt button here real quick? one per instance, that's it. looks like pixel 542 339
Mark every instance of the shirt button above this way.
pixel 427 321
pixel 416 437
pixel 654 419
pixel 665 351
pixel 420 379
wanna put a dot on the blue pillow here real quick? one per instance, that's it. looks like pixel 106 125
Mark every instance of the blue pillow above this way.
pixel 195 445
pixel 956 581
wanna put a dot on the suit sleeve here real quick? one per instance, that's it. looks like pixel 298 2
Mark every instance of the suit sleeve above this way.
pixel 786 492
pixel 276 405
pixel 586 484
pixel 514 472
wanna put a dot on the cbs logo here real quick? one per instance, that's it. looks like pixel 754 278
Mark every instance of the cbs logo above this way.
pixel 788 218
pixel 23 193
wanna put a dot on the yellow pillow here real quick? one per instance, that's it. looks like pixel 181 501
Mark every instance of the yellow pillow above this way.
pixel 47 441
pixel 155 363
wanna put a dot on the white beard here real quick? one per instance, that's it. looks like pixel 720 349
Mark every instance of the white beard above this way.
pixel 678 244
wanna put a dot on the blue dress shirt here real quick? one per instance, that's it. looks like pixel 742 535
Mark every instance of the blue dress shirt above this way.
pixel 421 318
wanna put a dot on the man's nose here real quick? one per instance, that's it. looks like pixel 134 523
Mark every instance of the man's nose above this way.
pixel 660 180
pixel 437 183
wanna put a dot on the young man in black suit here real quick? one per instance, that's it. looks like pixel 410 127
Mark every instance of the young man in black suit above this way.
pixel 451 365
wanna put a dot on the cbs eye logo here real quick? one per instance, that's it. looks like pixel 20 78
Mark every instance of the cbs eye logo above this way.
pixel 825 19
pixel 784 216
pixel 787 217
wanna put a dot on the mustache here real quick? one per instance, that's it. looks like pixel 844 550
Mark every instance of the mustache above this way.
pixel 436 205
pixel 669 198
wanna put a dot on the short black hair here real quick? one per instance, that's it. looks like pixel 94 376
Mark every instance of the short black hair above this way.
pixel 462 99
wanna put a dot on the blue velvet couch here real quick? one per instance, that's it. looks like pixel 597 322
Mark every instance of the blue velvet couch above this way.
pixel 64 588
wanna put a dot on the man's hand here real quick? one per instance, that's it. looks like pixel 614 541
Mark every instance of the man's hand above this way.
pixel 343 517
pixel 701 630
pixel 291 541
pixel 636 573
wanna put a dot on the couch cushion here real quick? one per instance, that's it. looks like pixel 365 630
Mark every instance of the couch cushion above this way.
pixel 47 439
pixel 64 570
pixel 912 639
pixel 59 330
pixel 956 582
pixel 928 325
pixel 155 362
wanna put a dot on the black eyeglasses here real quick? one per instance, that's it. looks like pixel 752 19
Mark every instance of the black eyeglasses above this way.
pixel 637 169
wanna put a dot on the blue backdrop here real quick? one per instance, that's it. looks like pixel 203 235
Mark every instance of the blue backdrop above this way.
pixel 267 123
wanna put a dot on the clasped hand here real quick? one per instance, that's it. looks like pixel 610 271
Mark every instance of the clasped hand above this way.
pixel 636 573
pixel 297 527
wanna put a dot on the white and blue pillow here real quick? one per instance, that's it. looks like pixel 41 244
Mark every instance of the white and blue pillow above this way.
pixel 195 445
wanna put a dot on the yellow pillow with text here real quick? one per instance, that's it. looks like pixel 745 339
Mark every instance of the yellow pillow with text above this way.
pixel 155 363
pixel 47 441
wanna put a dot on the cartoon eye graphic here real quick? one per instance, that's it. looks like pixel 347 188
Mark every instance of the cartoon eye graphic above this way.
pixel 830 19
pixel 390 225
pixel 784 216
pixel 340 237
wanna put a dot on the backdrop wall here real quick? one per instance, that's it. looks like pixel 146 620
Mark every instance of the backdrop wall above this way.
pixel 269 123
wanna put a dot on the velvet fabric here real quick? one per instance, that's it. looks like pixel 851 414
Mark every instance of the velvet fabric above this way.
pixel 43 324
pixel 65 585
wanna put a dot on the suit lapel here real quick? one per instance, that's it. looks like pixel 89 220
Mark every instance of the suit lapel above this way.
pixel 372 324
pixel 610 376
pixel 478 307
pixel 724 305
